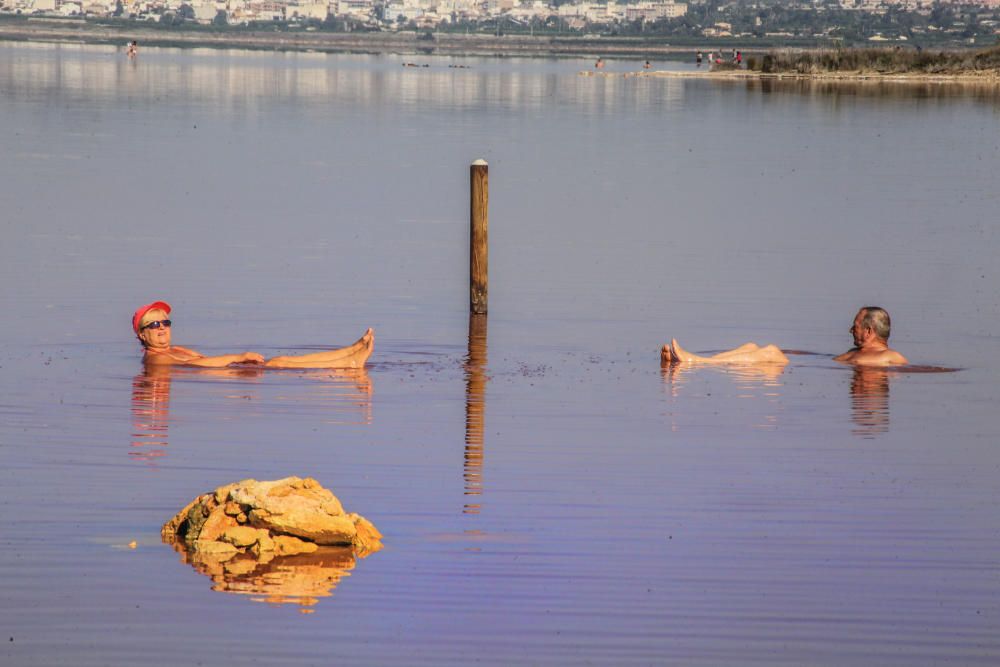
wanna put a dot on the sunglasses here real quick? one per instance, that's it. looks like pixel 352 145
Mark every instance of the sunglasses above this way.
pixel 155 324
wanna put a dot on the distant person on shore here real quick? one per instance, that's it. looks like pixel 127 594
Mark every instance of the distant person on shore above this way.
pixel 871 348
pixel 697 58
pixel 153 330
pixel 739 58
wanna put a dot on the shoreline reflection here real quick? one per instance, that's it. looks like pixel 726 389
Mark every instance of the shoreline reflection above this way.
pixel 837 89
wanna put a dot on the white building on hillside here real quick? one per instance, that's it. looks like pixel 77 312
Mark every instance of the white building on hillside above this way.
pixel 652 11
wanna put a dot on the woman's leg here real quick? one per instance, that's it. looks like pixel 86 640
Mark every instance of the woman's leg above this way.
pixel 353 356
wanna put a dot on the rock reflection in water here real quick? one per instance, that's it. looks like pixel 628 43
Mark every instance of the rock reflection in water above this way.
pixel 300 579
pixel 475 410
pixel 348 392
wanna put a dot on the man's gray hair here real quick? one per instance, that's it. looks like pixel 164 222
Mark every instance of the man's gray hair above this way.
pixel 877 319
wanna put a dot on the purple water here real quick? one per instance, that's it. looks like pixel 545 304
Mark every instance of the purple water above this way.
pixel 547 494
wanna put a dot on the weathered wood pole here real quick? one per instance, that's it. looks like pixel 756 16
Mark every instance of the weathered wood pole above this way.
pixel 479 197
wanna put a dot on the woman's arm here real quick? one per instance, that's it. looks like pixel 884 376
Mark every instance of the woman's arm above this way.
pixel 225 360
pixel 184 357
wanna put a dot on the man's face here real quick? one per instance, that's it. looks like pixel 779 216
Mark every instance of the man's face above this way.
pixel 158 338
pixel 859 332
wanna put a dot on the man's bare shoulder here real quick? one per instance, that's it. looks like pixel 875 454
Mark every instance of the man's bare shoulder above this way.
pixel 858 357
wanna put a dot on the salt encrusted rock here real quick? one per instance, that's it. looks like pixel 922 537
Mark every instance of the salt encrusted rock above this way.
pixel 282 517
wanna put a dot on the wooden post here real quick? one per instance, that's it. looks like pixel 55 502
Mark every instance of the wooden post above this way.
pixel 479 197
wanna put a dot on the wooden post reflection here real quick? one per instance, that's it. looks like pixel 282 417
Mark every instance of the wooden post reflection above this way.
pixel 475 410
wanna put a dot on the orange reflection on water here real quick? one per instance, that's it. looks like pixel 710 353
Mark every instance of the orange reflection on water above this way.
pixel 301 579
pixel 343 395
pixel 150 413
pixel 753 381
pixel 475 410
pixel 870 401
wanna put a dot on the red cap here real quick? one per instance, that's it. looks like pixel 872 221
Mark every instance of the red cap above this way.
pixel 137 318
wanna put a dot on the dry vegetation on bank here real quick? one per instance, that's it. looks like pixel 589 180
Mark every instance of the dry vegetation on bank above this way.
pixel 878 61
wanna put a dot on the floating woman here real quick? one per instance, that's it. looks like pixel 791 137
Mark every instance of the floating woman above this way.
pixel 153 330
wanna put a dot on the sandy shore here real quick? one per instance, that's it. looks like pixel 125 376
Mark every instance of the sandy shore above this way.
pixel 987 77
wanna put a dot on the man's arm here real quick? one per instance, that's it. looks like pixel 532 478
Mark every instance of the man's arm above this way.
pixel 847 357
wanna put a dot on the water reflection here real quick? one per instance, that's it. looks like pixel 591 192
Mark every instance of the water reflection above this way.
pixel 301 579
pixel 869 391
pixel 344 395
pixel 831 90
pixel 870 401
pixel 475 410
pixel 150 413
pixel 761 382
pixel 241 82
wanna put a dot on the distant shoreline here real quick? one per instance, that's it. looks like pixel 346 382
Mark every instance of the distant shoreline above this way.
pixel 988 78
pixel 402 43
pixel 412 44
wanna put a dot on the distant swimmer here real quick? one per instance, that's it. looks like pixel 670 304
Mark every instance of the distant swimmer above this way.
pixel 647 65
pixel 133 49
pixel 153 329
pixel 599 64
pixel 871 348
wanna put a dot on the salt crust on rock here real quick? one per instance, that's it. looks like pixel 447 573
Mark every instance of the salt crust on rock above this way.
pixel 280 518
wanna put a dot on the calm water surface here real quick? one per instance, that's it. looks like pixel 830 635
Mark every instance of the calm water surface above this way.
pixel 547 494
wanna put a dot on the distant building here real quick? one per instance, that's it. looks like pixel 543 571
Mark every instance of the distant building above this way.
pixel 361 9
pixel 652 11
pixel 308 10
pixel 409 11
pixel 204 12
